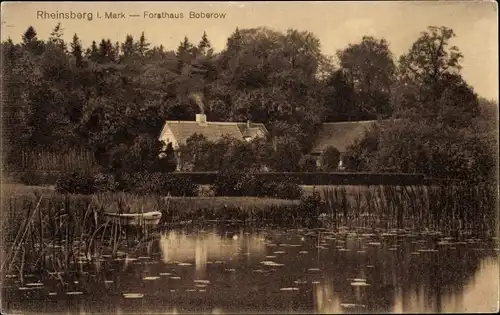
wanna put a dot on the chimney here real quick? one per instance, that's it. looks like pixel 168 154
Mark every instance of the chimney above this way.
pixel 201 118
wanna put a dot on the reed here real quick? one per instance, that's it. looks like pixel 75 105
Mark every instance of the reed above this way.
pixel 52 231
pixel 456 209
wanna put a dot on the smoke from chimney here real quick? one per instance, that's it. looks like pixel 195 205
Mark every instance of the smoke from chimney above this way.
pixel 197 97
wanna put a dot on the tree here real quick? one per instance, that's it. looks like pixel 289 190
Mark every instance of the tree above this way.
pixel 204 47
pixel 29 36
pixel 272 79
pixel 431 86
pixel 143 45
pixel 117 51
pixel 457 103
pixel 93 52
pixel 168 163
pixel 30 41
pixel 184 53
pixel 76 51
pixel 429 61
pixel 429 57
pixel 339 99
pixel 369 69
pixel 195 153
pixel 234 42
pixel 106 53
pixel 56 37
pixel 129 47
pixel 286 155
pixel 330 159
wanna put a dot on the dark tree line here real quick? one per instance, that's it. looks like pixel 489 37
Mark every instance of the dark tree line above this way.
pixel 113 97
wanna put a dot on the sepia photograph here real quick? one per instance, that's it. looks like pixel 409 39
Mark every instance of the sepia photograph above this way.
pixel 300 157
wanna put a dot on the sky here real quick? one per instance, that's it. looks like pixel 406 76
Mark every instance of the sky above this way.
pixel 336 24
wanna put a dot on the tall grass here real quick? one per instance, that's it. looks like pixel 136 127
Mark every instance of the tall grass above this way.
pixel 58 232
pixel 445 208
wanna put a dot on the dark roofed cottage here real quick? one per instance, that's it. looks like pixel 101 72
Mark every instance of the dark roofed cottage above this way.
pixel 339 135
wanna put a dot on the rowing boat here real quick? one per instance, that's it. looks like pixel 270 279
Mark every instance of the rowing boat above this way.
pixel 135 219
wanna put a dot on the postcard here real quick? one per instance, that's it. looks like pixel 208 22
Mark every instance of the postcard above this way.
pixel 249 157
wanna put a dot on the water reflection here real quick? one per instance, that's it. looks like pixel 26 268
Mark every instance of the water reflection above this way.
pixel 238 270
pixel 184 248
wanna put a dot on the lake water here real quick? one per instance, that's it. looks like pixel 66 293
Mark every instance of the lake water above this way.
pixel 231 269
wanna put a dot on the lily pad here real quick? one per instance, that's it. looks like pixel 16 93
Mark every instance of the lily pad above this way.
pixel 359 280
pixel 351 305
pixel 151 278
pixel 270 263
pixel 202 281
pixel 359 284
pixel 133 295
pixel 34 284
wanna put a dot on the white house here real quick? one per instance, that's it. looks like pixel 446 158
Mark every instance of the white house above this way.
pixel 177 132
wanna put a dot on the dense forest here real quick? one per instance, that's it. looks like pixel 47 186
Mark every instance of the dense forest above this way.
pixel 112 98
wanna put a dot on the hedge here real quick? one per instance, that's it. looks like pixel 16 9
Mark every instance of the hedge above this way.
pixel 301 178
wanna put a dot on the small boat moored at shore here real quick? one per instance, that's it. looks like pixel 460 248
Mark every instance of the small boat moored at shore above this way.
pixel 136 219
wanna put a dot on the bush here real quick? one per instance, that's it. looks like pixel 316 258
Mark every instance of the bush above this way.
pixel 158 183
pixel 76 183
pixel 175 185
pixel 105 182
pixel 288 190
pixel 308 164
pixel 236 183
pixel 227 183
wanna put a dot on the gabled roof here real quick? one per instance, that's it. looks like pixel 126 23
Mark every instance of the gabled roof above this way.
pixel 340 135
pixel 213 131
